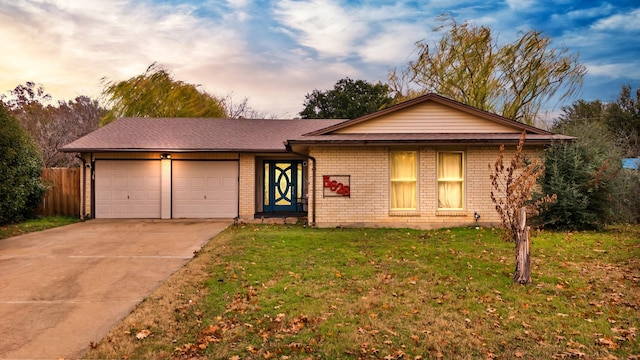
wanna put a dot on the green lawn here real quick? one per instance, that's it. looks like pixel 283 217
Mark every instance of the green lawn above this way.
pixel 35 224
pixel 288 292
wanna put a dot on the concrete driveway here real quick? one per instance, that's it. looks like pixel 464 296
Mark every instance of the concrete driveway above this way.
pixel 63 288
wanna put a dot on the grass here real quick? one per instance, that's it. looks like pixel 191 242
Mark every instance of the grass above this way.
pixel 288 292
pixel 35 224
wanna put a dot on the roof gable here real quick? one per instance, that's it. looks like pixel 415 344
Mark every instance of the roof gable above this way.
pixel 429 114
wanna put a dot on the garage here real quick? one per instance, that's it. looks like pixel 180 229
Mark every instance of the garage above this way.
pixel 127 189
pixel 204 189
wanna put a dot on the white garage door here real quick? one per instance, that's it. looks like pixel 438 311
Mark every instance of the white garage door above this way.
pixel 127 189
pixel 205 189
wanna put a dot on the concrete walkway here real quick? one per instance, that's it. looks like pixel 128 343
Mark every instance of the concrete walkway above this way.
pixel 63 288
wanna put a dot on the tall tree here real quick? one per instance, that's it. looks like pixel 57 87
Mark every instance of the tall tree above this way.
pixel 156 94
pixel 21 188
pixel 623 120
pixel 348 99
pixel 240 109
pixel 469 66
pixel 52 126
pixel 584 187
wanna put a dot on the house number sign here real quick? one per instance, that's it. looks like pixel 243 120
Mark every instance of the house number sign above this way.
pixel 336 185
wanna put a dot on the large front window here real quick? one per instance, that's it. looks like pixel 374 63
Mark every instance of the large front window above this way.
pixel 403 173
pixel 450 180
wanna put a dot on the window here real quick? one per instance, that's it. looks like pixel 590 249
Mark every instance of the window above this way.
pixel 403 173
pixel 451 180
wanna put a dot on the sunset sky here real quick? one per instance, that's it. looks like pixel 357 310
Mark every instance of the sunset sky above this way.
pixel 275 52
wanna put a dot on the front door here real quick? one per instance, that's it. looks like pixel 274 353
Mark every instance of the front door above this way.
pixel 282 185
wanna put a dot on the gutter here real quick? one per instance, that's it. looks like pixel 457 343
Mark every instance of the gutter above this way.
pixel 313 182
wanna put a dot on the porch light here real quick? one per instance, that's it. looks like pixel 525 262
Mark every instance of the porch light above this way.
pixel 165 156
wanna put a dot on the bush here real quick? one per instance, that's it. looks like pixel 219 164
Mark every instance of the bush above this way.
pixel 21 187
pixel 625 200
pixel 583 185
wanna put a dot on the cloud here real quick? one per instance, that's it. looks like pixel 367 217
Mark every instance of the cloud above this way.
pixel 614 70
pixel 69 46
pixel 393 44
pixel 588 13
pixel 322 25
pixel 620 22
pixel 238 3
pixel 520 5
pixel 274 52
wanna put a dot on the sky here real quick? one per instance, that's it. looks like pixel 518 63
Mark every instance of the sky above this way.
pixel 276 52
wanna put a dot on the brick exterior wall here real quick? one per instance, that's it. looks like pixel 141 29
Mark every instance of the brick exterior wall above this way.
pixel 369 203
pixel 247 189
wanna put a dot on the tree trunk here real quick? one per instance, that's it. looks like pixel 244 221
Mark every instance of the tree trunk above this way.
pixel 522 274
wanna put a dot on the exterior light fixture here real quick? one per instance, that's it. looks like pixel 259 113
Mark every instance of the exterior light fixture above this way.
pixel 165 156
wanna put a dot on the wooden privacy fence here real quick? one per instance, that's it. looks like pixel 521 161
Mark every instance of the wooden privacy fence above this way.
pixel 63 192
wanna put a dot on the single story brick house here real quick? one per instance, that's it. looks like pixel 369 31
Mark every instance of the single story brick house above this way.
pixel 423 163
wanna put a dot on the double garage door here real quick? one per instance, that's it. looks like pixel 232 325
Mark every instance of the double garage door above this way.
pixel 134 188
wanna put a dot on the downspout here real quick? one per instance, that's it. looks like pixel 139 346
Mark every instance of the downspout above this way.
pixel 237 218
pixel 83 198
pixel 313 182
pixel 93 185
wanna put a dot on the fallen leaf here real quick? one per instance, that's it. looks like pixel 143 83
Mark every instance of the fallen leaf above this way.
pixel 606 341
pixel 519 354
pixel 143 334
pixel 576 352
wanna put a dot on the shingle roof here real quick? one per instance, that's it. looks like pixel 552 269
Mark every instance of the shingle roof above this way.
pixel 195 134
pixel 261 135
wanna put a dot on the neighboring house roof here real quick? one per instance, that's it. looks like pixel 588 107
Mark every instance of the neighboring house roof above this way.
pixel 195 134
pixel 631 163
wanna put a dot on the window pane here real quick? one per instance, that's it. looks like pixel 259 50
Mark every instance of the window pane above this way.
pixel 299 184
pixel 450 195
pixel 403 165
pixel 450 166
pixel 403 195
pixel 266 184
pixel 403 174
